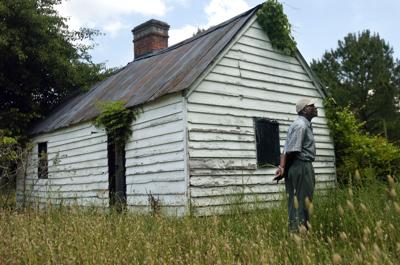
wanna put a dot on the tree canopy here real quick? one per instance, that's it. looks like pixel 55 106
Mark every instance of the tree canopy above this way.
pixel 42 62
pixel 362 73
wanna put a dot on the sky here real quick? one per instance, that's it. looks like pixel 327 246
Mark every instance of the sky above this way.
pixel 317 25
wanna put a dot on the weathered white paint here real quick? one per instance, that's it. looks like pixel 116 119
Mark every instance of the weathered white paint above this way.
pixel 155 157
pixel 252 79
pixel 77 168
pixel 78 163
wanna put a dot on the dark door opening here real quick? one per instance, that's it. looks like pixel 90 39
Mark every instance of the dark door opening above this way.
pixel 116 174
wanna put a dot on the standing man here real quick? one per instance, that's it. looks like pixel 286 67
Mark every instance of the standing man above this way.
pixel 296 164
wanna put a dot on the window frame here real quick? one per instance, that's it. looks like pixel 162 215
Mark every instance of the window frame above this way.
pixel 276 152
pixel 43 162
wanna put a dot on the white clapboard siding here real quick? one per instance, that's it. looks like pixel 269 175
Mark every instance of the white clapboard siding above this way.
pixel 243 180
pixel 166 199
pixel 251 80
pixel 170 210
pixel 266 171
pixel 233 200
pixel 44 202
pixel 77 167
pixel 235 206
pixel 155 162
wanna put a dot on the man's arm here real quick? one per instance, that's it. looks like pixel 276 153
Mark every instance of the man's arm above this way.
pixel 286 161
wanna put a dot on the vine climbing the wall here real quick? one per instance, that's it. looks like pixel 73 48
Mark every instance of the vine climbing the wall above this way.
pixel 276 24
pixel 117 120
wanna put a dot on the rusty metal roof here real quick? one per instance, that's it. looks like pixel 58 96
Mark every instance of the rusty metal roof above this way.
pixel 147 78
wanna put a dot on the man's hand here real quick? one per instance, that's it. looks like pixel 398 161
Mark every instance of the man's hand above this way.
pixel 279 174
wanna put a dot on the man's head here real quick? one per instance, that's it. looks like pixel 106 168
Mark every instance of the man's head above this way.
pixel 306 107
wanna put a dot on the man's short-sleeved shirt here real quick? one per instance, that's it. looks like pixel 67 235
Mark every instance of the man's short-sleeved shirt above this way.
pixel 300 139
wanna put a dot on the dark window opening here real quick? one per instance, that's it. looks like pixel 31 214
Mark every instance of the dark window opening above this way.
pixel 43 162
pixel 116 174
pixel 267 142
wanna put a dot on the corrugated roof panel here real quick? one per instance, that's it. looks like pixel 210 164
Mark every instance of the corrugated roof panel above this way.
pixel 171 70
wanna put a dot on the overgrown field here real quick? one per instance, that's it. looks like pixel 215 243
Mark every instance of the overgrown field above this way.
pixel 349 226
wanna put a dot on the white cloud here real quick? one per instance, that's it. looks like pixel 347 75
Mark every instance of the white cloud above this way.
pixel 217 11
pixel 99 13
pixel 220 10
pixel 177 35
pixel 113 27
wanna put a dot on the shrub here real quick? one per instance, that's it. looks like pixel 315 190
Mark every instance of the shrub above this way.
pixel 355 150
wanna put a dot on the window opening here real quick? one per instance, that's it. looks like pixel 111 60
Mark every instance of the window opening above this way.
pixel 43 161
pixel 267 142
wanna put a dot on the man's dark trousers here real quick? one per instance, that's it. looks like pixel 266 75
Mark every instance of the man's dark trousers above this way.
pixel 300 182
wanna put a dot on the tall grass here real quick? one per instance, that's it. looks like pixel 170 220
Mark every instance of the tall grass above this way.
pixel 349 226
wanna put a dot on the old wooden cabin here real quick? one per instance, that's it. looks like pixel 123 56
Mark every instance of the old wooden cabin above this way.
pixel 216 108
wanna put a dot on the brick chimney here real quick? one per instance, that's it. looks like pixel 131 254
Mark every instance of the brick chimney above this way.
pixel 149 37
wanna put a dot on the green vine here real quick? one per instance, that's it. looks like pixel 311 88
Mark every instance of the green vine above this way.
pixel 276 24
pixel 117 120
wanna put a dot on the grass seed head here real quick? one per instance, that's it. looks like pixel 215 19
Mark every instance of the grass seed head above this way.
pixel 297 239
pixel 362 246
pixel 295 202
pixel 341 211
pixel 309 225
pixel 392 193
pixel 377 250
pixel 351 192
pixel 336 259
pixel 302 229
pixel 363 207
pixel 350 205
pixel 359 258
pixel 366 231
pixel 310 209
pixel 357 175
pixel 343 236
pixel 390 181
pixel 396 207
pixel 379 233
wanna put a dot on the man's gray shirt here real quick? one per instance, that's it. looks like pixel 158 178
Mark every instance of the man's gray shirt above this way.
pixel 300 139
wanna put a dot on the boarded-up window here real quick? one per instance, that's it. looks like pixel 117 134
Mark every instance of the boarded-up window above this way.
pixel 42 158
pixel 267 142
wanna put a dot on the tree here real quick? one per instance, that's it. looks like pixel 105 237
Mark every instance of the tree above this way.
pixel 42 62
pixel 362 74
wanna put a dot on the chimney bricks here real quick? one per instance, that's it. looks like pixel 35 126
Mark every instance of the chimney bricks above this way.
pixel 149 37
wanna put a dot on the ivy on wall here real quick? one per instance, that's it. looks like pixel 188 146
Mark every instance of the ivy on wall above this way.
pixel 117 120
pixel 276 24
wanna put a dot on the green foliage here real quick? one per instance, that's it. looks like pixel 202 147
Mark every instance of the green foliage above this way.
pixel 117 120
pixel 361 73
pixel 372 156
pixel 42 62
pixel 276 24
pixel 7 149
pixel 12 161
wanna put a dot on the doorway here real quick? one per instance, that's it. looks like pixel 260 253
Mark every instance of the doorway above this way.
pixel 116 174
